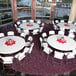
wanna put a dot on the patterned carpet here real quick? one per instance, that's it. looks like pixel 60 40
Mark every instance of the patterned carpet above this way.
pixel 37 63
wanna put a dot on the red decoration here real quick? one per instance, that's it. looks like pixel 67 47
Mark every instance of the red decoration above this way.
pixel 61 41
pixel 29 25
pixel 67 25
pixel 10 44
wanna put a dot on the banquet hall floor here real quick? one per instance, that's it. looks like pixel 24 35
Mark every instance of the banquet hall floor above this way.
pixel 38 64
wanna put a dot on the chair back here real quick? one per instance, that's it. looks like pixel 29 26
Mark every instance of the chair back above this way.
pixel 39 21
pixel 1 34
pixel 10 33
pixel 56 21
pixel 44 35
pixel 24 21
pixel 71 35
pixel 42 24
pixel 58 55
pixel 18 22
pixel 31 21
pixel 61 20
pixel 26 32
pixel 35 31
pixel 51 32
pixel 30 38
pixel 7 60
pixel 47 50
pixel 23 35
pixel 69 21
pixel 61 32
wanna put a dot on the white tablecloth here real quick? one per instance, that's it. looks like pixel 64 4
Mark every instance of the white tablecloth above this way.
pixel 4 49
pixel 69 45
pixel 71 26
pixel 24 26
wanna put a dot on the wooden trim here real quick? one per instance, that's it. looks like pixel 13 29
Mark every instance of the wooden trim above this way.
pixel 15 9
pixel 33 9
pixel 52 10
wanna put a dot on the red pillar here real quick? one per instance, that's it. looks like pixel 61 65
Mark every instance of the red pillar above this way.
pixel 52 10
pixel 33 9
pixel 15 10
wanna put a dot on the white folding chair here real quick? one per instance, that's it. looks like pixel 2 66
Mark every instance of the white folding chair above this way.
pixel 55 27
pixel 1 35
pixel 18 22
pixel 24 21
pixel 26 32
pixel 53 23
pixel 75 23
pixel 19 30
pixel 51 32
pixel 56 21
pixel 30 50
pixel 35 31
pixel 69 21
pixel 41 28
pixel 44 35
pixel 62 29
pixel 42 24
pixel 58 55
pixel 20 56
pixel 41 40
pixel 72 30
pixel 61 32
pixel 71 35
pixel 31 21
pixel 47 50
pixel 15 26
pixel 44 44
pixel 23 35
pixel 7 60
pixel 30 38
pixel 71 55
pixel 10 33
pixel 39 21
pixel 26 50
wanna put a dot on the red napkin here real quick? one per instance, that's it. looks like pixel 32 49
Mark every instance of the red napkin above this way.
pixel 67 25
pixel 8 44
pixel 29 25
pixel 61 41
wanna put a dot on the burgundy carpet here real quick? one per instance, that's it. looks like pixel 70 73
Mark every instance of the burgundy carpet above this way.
pixel 37 63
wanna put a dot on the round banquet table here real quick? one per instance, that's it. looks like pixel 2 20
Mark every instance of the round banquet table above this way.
pixel 69 45
pixel 24 26
pixel 19 44
pixel 66 26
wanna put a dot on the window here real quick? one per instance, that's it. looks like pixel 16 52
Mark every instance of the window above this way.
pixel 65 6
pixel 5 12
pixel 43 9
pixel 24 8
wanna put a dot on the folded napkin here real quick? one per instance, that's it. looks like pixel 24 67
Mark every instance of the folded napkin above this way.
pixel 67 25
pixel 29 25
pixel 61 41
pixel 10 44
